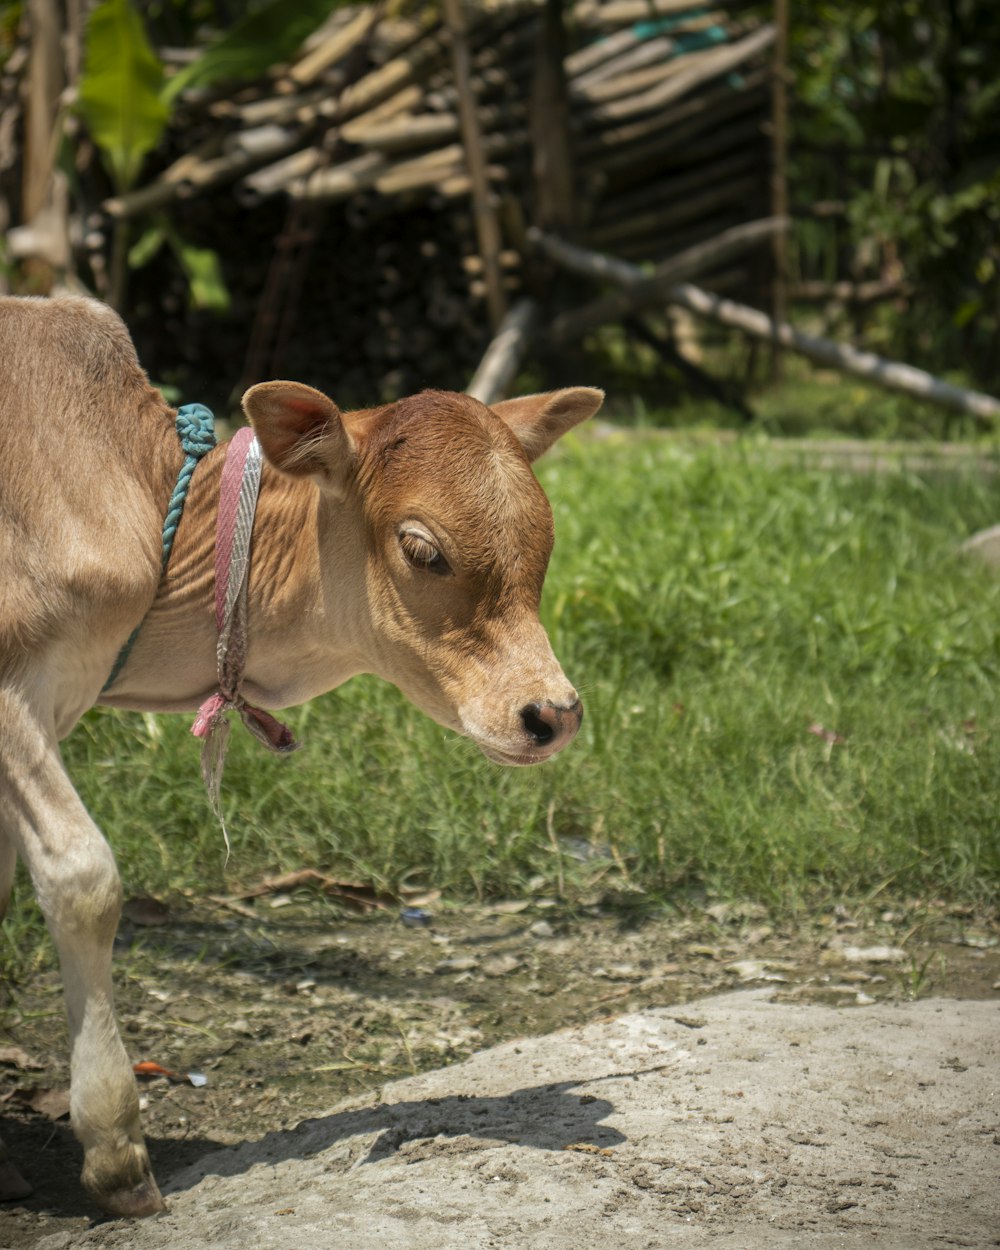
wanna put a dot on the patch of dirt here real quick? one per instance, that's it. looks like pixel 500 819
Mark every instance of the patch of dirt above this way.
pixel 290 1005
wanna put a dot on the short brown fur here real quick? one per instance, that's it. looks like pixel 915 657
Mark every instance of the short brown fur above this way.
pixel 409 540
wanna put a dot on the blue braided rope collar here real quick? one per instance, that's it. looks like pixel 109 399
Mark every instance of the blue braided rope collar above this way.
pixel 196 431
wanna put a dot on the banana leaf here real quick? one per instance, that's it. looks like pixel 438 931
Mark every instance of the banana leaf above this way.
pixel 120 90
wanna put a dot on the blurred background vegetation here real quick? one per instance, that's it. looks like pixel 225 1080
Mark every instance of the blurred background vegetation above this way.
pixel 896 131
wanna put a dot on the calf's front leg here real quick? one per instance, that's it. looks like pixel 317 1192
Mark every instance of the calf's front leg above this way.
pixel 79 891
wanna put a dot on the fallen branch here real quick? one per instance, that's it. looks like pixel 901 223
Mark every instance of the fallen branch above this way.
pixel 499 364
pixel 888 374
pixel 642 289
pixel 495 373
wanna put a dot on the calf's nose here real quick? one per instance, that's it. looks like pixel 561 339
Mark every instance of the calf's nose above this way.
pixel 551 727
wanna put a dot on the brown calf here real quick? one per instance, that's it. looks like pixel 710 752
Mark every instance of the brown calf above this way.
pixel 409 541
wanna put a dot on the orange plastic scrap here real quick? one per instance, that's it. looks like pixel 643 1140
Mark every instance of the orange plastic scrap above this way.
pixel 148 1068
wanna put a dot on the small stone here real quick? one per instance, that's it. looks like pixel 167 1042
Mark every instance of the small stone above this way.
pixel 623 972
pixel 510 906
pixel 458 963
pixel 754 970
pixel 541 929
pixel 690 1022
pixel 984 545
pixel 873 954
pixel 501 965
pixel 192 1012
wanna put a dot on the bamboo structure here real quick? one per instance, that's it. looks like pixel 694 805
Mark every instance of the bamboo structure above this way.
pixel 366 172
pixel 656 110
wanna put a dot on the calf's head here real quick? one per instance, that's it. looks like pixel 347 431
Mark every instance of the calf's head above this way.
pixel 455 534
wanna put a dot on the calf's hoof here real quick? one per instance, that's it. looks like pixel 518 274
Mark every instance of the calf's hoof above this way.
pixel 127 1188
pixel 131 1202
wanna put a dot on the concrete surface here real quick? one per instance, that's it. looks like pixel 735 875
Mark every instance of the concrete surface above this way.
pixel 735 1123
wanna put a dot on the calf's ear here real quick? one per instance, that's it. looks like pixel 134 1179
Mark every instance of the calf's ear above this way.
pixel 538 420
pixel 300 431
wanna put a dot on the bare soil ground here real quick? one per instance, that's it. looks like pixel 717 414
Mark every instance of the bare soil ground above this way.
pixel 292 1005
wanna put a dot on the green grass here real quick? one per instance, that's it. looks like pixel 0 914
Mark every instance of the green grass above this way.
pixel 713 605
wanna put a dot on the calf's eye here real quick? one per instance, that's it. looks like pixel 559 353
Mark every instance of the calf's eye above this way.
pixel 421 553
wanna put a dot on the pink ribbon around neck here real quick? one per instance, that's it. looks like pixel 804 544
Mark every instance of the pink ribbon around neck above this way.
pixel 237 506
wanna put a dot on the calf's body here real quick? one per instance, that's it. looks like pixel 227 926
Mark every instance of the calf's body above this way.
pixel 410 541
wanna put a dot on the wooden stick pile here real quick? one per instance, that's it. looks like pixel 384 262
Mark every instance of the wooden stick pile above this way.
pixel 361 137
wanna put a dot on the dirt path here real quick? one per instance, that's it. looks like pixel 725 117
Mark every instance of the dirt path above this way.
pixel 820 1108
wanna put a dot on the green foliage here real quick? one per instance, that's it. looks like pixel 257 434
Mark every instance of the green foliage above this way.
pixel 127 102
pixel 10 21
pixel 201 265
pixel 121 90
pixel 897 111
pixel 125 95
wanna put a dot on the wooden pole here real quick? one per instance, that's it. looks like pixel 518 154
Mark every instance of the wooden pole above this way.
pixel 484 211
pixel 41 210
pixel 499 365
pixel 44 83
pixel 779 174
pixel 554 202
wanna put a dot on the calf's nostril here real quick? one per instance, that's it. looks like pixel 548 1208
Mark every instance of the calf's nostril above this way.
pixel 540 723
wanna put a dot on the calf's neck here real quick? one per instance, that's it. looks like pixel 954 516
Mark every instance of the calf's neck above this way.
pixel 409 540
